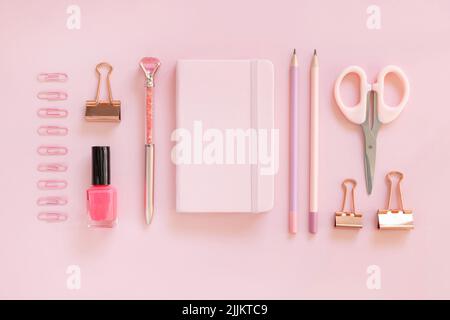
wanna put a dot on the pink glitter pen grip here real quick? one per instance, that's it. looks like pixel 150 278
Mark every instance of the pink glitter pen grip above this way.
pixel 149 116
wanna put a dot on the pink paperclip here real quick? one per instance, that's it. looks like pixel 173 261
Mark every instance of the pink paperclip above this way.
pixel 52 184
pixel 52 131
pixel 52 151
pixel 52 216
pixel 52 113
pixel 52 167
pixel 51 201
pixel 52 95
pixel 52 77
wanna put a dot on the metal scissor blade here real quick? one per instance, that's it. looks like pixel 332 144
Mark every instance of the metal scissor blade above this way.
pixel 370 128
pixel 368 169
pixel 369 159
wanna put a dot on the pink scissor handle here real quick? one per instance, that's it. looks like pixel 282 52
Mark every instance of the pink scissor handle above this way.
pixel 387 113
pixel 356 114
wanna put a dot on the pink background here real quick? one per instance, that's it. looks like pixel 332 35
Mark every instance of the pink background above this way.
pixel 220 255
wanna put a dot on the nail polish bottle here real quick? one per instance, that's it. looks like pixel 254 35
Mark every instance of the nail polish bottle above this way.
pixel 101 196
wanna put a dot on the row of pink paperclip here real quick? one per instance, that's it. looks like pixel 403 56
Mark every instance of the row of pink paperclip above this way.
pixel 52 150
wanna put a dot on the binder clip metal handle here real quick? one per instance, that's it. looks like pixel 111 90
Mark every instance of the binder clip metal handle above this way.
pixel 103 111
pixel 351 218
pixel 108 82
pixel 397 219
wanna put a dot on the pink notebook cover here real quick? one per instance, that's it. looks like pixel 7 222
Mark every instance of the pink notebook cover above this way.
pixel 223 105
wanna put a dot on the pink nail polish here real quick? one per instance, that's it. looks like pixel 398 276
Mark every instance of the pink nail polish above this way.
pixel 101 196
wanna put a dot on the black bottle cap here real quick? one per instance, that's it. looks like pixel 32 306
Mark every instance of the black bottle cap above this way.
pixel 101 173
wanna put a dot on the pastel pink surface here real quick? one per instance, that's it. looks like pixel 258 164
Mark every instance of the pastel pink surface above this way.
pixel 221 255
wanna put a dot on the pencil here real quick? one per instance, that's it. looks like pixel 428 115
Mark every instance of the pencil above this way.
pixel 293 141
pixel 314 145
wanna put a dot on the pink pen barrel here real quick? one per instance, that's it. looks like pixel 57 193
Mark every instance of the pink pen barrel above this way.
pixel 149 115
pixel 293 142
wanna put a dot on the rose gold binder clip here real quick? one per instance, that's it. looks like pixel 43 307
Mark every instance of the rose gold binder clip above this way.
pixel 52 131
pixel 401 219
pixel 52 95
pixel 52 77
pixel 52 151
pixel 100 110
pixel 52 113
pixel 349 219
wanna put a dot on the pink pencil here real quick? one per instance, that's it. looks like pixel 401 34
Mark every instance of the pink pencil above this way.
pixel 314 146
pixel 293 141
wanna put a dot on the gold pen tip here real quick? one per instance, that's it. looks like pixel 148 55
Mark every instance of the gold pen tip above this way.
pixel 315 52
pixel 295 51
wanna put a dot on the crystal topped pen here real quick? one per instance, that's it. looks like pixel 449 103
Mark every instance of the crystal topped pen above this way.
pixel 149 65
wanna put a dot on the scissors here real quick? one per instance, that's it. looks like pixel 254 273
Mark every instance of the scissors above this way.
pixel 371 111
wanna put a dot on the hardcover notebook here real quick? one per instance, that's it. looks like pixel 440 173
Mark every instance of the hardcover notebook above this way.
pixel 225 145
